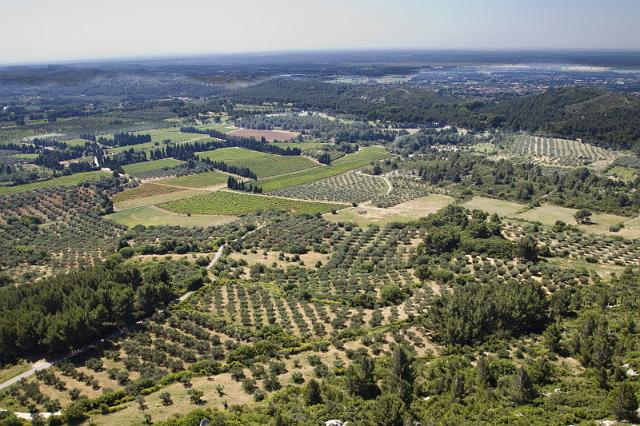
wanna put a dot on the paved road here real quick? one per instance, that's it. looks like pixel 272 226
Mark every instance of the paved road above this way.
pixel 40 365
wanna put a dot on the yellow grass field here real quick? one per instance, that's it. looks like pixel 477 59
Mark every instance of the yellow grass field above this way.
pixel 152 215
pixel 548 214
pixel 405 212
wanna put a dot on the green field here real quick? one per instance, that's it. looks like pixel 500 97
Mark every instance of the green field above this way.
pixel 155 216
pixel 234 203
pixel 349 162
pixel 171 133
pixel 200 180
pixel 150 166
pixel 60 181
pixel 75 142
pixel 158 136
pixel 493 205
pixel 223 128
pixel 304 146
pixel 26 156
pixel 262 164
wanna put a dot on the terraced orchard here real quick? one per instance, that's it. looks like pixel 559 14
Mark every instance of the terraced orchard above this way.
pixel 55 229
pixel 561 152
pixel 402 189
pixel 347 187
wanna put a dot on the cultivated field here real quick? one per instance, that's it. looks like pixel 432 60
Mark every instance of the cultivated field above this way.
pixel 347 187
pixel 161 196
pixel 139 169
pixel 561 152
pixel 69 180
pixel 200 180
pixel 76 142
pixel 219 127
pixel 145 190
pixel 349 162
pixel 233 203
pixel 155 216
pixel 263 164
pixel 269 135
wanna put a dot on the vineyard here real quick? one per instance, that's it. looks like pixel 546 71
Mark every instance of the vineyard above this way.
pixel 232 203
pixel 348 187
pixel 349 162
pixel 263 164
pixel 561 152
pixel 143 169
pixel 70 180
pixel 145 190
pixel 199 180
pixel 402 190
pixel 160 137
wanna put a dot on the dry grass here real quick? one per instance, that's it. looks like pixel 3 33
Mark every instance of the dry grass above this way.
pixel 132 414
pixel 309 259
pixel 152 215
pixel 142 191
pixel 405 212
pixel 493 205
pixel 155 199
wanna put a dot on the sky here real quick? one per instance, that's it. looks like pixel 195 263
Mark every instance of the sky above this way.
pixel 63 30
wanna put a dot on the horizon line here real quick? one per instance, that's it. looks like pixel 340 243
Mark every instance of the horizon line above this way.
pixel 193 55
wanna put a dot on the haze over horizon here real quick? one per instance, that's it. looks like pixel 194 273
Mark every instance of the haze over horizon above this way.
pixel 47 31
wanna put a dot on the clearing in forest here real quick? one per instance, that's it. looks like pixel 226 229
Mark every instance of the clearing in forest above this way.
pixel 405 212
pixel 548 214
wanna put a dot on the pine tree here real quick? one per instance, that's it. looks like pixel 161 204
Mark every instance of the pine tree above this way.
pixel 401 377
pixel 312 393
pixel 624 402
pixel 522 390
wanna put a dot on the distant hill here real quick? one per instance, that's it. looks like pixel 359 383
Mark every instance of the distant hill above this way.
pixel 605 118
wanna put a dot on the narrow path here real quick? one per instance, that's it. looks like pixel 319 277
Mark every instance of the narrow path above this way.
pixel 29 416
pixel 386 179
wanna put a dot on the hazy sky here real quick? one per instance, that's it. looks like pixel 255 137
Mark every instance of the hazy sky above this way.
pixel 56 30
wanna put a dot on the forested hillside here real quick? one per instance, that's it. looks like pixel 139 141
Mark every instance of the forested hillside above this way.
pixel 595 115
pixel 605 118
